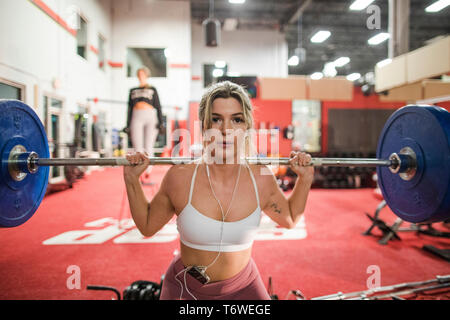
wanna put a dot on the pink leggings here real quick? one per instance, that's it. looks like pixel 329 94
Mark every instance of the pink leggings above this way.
pixel 246 285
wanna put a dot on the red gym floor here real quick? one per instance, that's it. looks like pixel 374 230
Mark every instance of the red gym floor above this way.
pixel 75 232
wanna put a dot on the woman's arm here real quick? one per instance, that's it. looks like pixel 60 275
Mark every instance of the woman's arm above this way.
pixel 286 212
pixel 149 217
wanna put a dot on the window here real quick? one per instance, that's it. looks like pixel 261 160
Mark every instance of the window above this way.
pixel 55 120
pixel 99 130
pixel 82 38
pixel 101 52
pixel 211 72
pixel 152 58
pixel 306 120
pixel 52 122
pixel 249 83
pixel 51 105
pixel 11 90
pixel 81 128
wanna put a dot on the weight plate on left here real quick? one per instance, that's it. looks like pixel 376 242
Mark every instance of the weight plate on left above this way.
pixel 19 200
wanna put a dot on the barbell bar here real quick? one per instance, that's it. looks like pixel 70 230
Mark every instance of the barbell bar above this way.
pixel 413 163
pixel 28 162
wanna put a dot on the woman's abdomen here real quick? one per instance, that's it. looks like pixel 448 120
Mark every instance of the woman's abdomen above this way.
pixel 140 105
pixel 227 265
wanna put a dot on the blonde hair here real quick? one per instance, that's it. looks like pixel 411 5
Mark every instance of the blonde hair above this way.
pixel 226 89
pixel 145 69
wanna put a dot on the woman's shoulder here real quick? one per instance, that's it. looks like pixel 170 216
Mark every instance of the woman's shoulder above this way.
pixel 180 173
pixel 261 171
pixel 182 168
pixel 264 178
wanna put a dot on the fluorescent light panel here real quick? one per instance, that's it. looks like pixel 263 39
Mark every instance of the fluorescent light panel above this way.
pixel 437 6
pixel 383 63
pixel 317 75
pixel 220 64
pixel 293 61
pixel 217 73
pixel 359 5
pixel 320 36
pixel 236 1
pixel 353 76
pixel 342 61
pixel 329 69
pixel 330 73
pixel 378 38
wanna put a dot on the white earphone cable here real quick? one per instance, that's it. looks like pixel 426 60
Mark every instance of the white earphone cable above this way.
pixel 221 231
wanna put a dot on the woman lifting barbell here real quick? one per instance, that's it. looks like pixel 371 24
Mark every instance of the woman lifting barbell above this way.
pixel 216 235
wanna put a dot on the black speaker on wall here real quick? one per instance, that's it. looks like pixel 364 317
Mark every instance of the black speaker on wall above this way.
pixel 211 30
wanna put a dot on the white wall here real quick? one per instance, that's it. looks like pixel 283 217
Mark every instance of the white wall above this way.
pixel 153 24
pixel 249 53
pixel 35 51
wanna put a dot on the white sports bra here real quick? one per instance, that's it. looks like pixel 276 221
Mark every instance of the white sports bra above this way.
pixel 201 232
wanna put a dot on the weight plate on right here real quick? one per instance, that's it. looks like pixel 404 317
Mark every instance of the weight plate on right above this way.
pixel 426 130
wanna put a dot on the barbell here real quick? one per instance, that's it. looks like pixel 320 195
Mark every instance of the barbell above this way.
pixel 413 163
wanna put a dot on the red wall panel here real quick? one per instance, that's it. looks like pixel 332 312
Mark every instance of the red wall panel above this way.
pixel 279 112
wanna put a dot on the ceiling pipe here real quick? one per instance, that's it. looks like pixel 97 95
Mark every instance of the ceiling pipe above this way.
pixel 300 11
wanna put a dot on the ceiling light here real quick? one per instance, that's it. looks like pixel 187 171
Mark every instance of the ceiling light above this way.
pixel 298 57
pixel 437 6
pixel 236 1
pixel 378 38
pixel 329 70
pixel 369 77
pixel 217 73
pixel 316 75
pixel 353 76
pixel 358 5
pixel 342 61
pixel 383 63
pixel 293 61
pixel 220 64
pixel 320 36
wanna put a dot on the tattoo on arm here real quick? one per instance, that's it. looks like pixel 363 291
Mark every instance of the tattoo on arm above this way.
pixel 275 207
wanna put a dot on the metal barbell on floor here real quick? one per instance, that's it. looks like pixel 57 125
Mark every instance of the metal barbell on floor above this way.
pixel 413 163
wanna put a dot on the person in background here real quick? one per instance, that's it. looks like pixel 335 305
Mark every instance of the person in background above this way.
pixel 144 118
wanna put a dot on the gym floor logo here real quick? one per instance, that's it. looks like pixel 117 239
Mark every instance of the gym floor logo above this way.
pixel 125 232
